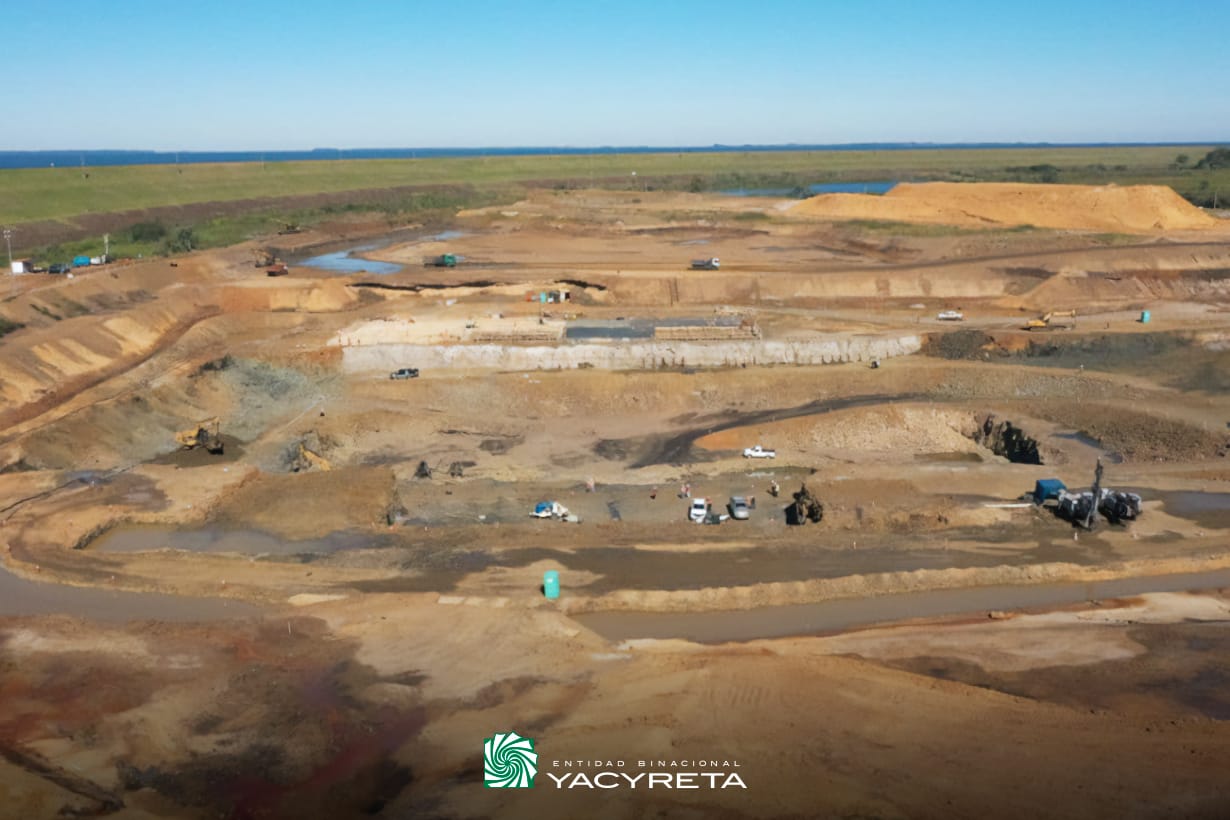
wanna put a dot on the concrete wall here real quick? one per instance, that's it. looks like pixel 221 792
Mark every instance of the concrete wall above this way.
pixel 629 356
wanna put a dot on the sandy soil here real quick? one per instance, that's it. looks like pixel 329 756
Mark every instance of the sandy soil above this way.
pixel 399 617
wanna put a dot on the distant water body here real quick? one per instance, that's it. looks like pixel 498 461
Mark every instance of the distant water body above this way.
pixel 93 158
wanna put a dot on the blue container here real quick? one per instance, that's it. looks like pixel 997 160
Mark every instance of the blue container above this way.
pixel 81 261
pixel 1145 317
pixel 550 584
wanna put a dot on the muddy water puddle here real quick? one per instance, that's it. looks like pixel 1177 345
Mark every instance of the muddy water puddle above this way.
pixel 19 597
pixel 1210 510
pixel 853 613
pixel 237 541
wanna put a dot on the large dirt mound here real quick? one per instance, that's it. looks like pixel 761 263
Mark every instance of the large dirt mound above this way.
pixel 1135 208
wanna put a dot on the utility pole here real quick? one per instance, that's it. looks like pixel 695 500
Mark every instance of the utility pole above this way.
pixel 8 242
pixel 107 245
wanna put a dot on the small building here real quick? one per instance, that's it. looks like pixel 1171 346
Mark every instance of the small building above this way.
pixel 23 266
pixel 1047 488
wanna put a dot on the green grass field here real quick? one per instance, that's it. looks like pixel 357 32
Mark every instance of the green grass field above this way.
pixel 62 193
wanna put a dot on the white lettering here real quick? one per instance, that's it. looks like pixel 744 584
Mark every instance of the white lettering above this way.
pixel 579 778
pixel 733 779
pixel 661 778
pixel 680 783
pixel 632 780
pixel 599 783
pixel 559 779
pixel 712 778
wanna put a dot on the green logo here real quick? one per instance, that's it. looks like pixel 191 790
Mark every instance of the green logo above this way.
pixel 509 762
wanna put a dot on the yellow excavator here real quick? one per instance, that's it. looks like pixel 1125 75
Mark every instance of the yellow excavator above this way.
pixel 206 434
pixel 308 460
pixel 1043 322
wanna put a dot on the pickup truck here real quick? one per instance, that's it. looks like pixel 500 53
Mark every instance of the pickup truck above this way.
pixel 950 316
pixel 759 452
pixel 405 373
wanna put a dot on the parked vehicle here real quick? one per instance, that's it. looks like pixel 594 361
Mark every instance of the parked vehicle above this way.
pixel 405 373
pixel 444 260
pixel 698 510
pixel 759 452
pixel 950 316
pixel 739 508
pixel 712 263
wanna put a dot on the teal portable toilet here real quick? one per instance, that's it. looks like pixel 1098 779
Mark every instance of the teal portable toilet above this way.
pixel 550 584
pixel 1145 317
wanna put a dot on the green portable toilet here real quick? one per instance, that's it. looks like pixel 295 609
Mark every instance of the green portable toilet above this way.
pixel 1145 316
pixel 550 584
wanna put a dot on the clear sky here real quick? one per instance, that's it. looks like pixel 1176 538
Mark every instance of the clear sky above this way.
pixel 257 74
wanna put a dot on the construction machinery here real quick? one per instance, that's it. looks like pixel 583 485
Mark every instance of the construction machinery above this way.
pixel 1043 322
pixel 806 507
pixel 290 227
pixel 205 434
pixel 263 258
pixel 307 459
pixel 712 263
pixel 444 260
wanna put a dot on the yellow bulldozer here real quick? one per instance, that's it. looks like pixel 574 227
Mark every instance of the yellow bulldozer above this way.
pixel 1043 322
pixel 205 434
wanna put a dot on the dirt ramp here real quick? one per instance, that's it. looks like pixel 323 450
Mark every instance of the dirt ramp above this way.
pixel 1129 209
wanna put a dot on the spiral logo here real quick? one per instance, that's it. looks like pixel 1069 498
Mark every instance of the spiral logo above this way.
pixel 509 762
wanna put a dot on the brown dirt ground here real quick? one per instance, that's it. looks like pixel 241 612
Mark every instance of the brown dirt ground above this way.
pixel 384 653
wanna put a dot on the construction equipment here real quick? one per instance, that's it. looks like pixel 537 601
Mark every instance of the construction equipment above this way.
pixel 1043 322
pixel 205 434
pixel 806 507
pixel 290 227
pixel 308 460
pixel 444 260
pixel 278 269
pixel 262 258
pixel 1118 505
pixel 712 263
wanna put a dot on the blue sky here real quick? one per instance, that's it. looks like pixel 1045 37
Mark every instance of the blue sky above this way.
pixel 318 73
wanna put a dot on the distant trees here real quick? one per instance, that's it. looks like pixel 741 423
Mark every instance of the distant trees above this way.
pixel 147 231
pixel 1039 173
pixel 1217 158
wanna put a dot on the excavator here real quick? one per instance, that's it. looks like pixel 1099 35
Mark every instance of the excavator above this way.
pixel 1043 322
pixel 263 258
pixel 206 434
pixel 306 460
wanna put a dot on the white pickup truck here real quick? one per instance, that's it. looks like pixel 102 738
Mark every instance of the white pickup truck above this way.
pixel 950 316
pixel 759 452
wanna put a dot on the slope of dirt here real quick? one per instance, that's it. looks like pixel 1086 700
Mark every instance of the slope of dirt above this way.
pixel 1129 209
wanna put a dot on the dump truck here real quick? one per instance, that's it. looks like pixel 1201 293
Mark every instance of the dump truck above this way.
pixel 278 269
pixel 1043 322
pixel 712 263
pixel 206 434
pixel 444 260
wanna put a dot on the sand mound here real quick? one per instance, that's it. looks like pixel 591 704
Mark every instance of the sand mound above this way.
pixel 1136 208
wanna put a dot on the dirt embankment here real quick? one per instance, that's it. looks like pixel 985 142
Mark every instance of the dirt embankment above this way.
pixel 1129 209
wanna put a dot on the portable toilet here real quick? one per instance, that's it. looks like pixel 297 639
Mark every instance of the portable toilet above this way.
pixel 1047 488
pixel 1145 316
pixel 550 584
